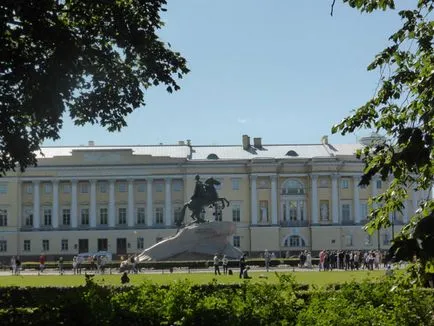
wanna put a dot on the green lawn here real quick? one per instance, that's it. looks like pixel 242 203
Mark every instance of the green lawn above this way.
pixel 313 278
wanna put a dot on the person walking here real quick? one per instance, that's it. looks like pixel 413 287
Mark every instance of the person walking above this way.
pixel 242 265
pixel 225 262
pixel 216 265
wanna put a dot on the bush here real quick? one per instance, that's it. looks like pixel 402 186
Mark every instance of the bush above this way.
pixel 248 303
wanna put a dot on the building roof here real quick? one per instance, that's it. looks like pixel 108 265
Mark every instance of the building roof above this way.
pixel 216 152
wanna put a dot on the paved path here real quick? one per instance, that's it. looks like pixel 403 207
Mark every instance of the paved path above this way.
pixel 177 270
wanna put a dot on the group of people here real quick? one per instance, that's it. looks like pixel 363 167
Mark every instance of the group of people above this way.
pixel 350 260
pixel 225 261
pixel 305 258
pixel 15 265
pixel 216 263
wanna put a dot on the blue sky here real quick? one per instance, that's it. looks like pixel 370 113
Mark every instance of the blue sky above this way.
pixel 282 70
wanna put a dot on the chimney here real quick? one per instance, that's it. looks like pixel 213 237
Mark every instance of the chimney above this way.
pixel 257 142
pixel 246 142
pixel 325 140
pixel 91 143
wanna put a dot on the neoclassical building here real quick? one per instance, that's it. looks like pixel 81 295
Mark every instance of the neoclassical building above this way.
pixel 123 199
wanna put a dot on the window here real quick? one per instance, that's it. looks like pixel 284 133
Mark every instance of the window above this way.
pixel 47 216
pixel 103 216
pixel 141 187
pixel 346 212
pixel 28 216
pixel 26 245
pixel 236 212
pixel 368 240
pixel 292 187
pixel 64 245
pixel 349 240
pixel 177 185
pixel 141 217
pixel 345 183
pixel 3 217
pixel 140 243
pixel 48 188
pixel 66 216
pixel 122 187
pixel 102 244
pixel 84 187
pixel 363 210
pixel 29 188
pixel 237 241
pixel 45 245
pixel 378 184
pixel 3 246
pixel 66 188
pixel 3 188
pixel 293 210
pixel 236 184
pixel 218 213
pixel 294 241
pixel 263 210
pixel 103 186
pixel 158 215
pixel 177 214
pixel 122 215
pixel 159 186
pixel 84 216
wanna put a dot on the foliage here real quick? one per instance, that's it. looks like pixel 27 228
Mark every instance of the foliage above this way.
pixel 183 303
pixel 369 304
pixel 91 58
pixel 403 110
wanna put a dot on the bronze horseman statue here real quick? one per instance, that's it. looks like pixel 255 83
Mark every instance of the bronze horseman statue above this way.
pixel 204 195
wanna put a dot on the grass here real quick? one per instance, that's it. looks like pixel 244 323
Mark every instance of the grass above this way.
pixel 312 278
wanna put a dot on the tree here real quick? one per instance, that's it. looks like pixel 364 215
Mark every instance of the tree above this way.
pixel 93 59
pixel 403 110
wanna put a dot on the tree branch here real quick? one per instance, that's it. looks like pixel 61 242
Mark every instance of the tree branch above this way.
pixel 332 7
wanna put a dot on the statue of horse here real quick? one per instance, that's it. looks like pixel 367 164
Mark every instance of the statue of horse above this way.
pixel 205 194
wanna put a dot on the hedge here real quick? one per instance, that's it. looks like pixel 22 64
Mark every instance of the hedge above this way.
pixel 176 264
pixel 181 303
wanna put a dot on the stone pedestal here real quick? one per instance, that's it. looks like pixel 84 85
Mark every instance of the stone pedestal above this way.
pixel 205 239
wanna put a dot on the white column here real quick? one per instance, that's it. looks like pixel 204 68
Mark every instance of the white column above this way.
pixel 274 200
pixel 356 199
pixel 335 199
pixel 36 205
pixel 74 214
pixel 55 207
pixel 149 212
pixel 112 205
pixel 130 212
pixel 168 202
pixel 314 198
pixel 253 200
pixel 92 210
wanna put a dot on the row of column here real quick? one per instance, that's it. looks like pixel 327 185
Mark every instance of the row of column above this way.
pixel 356 199
pixel 93 204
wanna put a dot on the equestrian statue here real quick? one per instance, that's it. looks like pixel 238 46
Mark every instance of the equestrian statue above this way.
pixel 204 195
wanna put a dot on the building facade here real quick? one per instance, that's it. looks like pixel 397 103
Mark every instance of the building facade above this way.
pixel 123 199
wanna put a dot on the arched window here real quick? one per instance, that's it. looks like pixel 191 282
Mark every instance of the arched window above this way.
pixel 292 187
pixel 212 156
pixel 294 241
